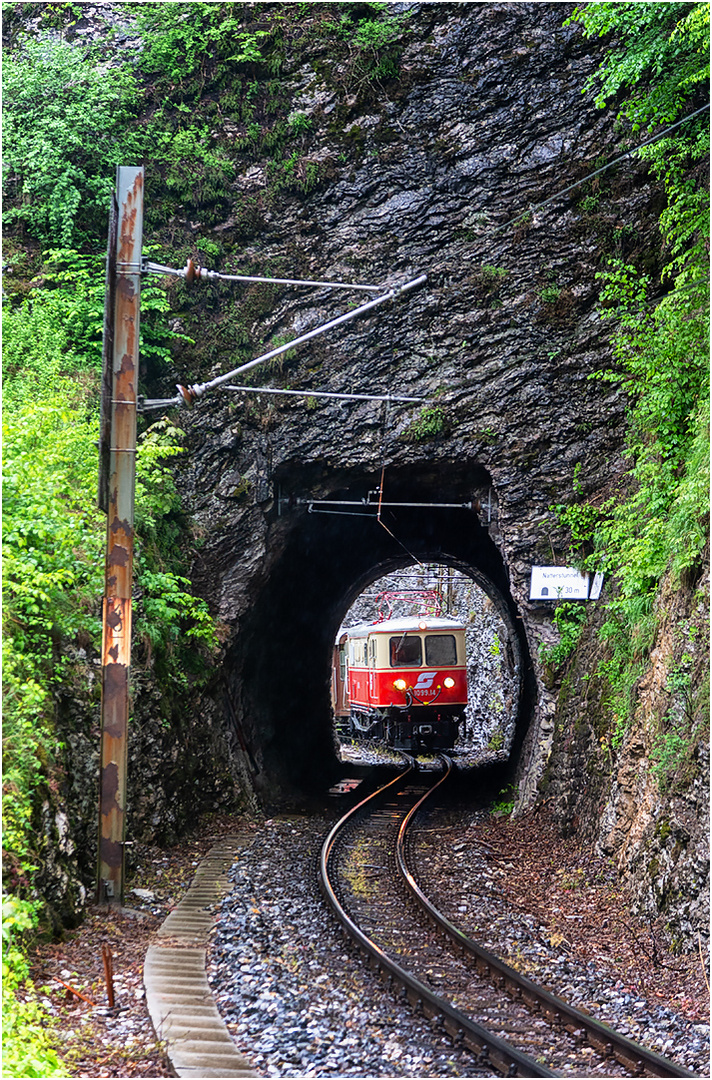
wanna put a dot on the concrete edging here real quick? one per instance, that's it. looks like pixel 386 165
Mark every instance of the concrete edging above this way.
pixel 178 995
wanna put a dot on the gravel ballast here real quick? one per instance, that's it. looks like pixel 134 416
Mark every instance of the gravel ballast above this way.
pixel 300 1001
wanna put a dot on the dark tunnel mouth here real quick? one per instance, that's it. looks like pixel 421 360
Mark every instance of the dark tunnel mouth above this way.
pixel 278 672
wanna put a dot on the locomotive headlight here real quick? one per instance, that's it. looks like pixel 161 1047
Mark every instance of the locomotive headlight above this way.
pixel 449 682
pixel 400 684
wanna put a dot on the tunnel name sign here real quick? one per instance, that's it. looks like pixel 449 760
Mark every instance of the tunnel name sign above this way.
pixel 563 583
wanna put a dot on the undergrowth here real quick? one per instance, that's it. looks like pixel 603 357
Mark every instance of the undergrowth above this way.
pixel 656 526
pixel 53 541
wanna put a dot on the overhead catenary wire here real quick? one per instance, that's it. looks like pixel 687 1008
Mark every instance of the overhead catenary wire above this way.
pixel 533 207
pixel 323 394
pixel 191 273
pixel 379 518
pixel 188 395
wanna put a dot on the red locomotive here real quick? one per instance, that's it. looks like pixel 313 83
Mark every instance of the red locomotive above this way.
pixel 404 680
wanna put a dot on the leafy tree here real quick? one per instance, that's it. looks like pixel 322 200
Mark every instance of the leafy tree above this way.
pixel 657 70
pixel 659 57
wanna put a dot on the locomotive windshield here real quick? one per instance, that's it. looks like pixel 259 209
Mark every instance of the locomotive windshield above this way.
pixel 406 651
pixel 440 650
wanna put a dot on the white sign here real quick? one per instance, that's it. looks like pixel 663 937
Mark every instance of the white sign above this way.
pixel 596 587
pixel 558 583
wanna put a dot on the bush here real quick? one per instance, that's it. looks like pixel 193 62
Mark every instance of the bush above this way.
pixel 68 122
pixel 26 1032
pixel 659 524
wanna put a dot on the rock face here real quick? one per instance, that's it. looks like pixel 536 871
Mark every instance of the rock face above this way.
pixel 644 803
pixel 430 173
pixel 442 171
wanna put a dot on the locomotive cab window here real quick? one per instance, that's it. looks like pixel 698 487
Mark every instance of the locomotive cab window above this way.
pixel 440 650
pixel 406 651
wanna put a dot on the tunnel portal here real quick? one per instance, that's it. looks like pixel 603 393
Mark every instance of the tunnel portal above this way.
pixel 319 559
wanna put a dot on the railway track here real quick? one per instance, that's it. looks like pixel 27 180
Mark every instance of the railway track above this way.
pixel 510 1024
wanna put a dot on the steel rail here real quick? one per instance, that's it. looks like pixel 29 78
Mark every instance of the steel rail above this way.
pixel 603 1038
pixel 497 1052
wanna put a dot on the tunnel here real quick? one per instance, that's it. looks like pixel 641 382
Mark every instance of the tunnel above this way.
pixel 321 555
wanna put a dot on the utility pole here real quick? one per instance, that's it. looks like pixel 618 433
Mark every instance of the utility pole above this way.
pixel 117 479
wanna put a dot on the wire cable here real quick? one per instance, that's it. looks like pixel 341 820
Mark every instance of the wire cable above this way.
pixel 379 519
pixel 584 179
pixel 187 395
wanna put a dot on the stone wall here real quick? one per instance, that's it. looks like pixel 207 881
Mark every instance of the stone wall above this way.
pixel 424 174
pixel 438 171
pixel 652 822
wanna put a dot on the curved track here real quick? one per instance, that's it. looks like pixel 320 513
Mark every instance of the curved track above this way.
pixel 511 1024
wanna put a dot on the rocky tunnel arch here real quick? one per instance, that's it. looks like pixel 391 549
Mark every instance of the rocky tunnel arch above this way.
pixel 318 560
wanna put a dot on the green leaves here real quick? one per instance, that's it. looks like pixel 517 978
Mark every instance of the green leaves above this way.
pixel 53 535
pixel 660 60
pixel 177 626
pixel 68 124
pixel 659 55
pixel 569 619
pixel 430 422
pixel 26 1044
pixel 658 524
pixel 188 45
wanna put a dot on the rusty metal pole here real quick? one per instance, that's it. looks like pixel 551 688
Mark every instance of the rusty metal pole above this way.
pixel 116 496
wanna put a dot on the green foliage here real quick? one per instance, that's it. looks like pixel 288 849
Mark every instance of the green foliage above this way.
pixel 53 535
pixel 550 294
pixel 189 45
pixel 192 169
pixel 375 42
pixel 664 368
pixel 569 620
pixel 660 52
pixel 26 1037
pixel 590 203
pixel 68 122
pixel 62 319
pixel 495 743
pixel 493 274
pixel 680 727
pixel 379 43
pixel 176 626
pixel 505 804
pixel 430 423
pixel 661 61
pixel 294 174
pixel 300 123
pixel 658 523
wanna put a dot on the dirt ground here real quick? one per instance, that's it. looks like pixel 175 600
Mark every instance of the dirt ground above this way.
pixel 572 894
pixel 578 897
